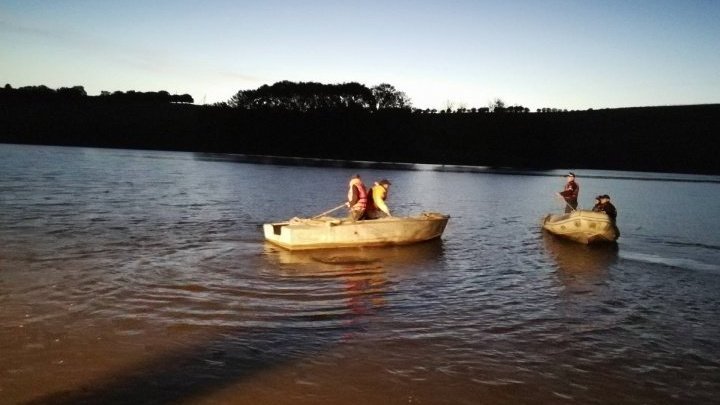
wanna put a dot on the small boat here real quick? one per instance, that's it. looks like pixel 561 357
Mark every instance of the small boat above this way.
pixel 330 232
pixel 582 226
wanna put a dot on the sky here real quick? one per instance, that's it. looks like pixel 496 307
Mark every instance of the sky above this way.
pixel 567 54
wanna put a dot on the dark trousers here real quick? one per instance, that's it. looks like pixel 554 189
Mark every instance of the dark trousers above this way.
pixel 356 215
pixel 570 206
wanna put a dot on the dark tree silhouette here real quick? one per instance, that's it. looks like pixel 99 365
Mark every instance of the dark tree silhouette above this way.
pixel 498 106
pixel 304 96
pixel 387 96
pixel 78 94
pixel 183 98
pixel 317 121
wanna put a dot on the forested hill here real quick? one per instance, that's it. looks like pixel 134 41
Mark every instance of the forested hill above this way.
pixel 683 139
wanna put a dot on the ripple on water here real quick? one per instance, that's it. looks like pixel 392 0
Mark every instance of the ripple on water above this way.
pixel 129 259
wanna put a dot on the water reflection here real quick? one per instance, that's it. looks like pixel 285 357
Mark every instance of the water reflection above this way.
pixel 361 275
pixel 580 266
pixel 142 277
pixel 399 257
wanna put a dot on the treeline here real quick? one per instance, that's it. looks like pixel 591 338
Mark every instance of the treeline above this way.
pixel 42 94
pixel 682 139
pixel 312 96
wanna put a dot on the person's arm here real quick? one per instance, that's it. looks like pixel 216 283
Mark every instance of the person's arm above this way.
pixel 570 192
pixel 355 196
pixel 566 192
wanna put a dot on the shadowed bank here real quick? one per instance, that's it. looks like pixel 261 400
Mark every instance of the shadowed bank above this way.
pixel 682 139
pixel 204 368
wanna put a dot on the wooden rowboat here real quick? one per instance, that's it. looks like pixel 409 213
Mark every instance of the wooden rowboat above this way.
pixel 582 226
pixel 330 232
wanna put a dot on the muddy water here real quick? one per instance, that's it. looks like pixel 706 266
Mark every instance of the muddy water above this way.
pixel 142 277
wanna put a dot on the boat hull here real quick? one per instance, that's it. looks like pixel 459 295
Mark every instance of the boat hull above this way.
pixel 328 232
pixel 582 226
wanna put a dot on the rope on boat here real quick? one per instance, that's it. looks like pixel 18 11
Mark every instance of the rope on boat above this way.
pixel 314 221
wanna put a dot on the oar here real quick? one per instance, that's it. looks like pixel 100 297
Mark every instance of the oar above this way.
pixel 568 204
pixel 565 201
pixel 329 211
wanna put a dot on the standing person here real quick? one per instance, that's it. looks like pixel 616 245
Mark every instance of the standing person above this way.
pixel 377 208
pixel 570 194
pixel 357 198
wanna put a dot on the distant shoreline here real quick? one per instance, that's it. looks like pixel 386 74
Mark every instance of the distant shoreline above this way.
pixel 314 162
pixel 679 139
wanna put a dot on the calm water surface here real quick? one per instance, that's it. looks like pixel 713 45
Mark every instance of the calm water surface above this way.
pixel 142 277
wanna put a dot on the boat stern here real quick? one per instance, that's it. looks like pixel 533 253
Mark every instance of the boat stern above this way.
pixel 276 232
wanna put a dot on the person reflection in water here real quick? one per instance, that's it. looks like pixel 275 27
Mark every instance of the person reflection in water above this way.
pixel 377 208
pixel 570 193
pixel 604 205
pixel 357 198
pixel 364 288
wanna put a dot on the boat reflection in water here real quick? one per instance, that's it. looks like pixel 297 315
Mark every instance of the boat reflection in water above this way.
pixel 580 267
pixel 359 275
pixel 313 262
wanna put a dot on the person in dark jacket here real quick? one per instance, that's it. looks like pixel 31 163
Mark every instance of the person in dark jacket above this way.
pixel 604 205
pixel 570 193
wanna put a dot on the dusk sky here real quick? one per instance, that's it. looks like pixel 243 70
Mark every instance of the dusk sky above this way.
pixel 563 54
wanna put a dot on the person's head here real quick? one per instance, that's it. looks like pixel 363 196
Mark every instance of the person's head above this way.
pixel 385 183
pixel 355 176
pixel 598 198
pixel 604 198
pixel 570 176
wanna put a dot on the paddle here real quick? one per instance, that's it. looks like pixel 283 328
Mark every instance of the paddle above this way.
pixel 571 207
pixel 558 195
pixel 329 211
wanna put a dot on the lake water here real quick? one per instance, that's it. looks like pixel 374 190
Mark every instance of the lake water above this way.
pixel 143 277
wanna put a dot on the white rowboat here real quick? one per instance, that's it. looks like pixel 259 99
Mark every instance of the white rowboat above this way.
pixel 330 232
